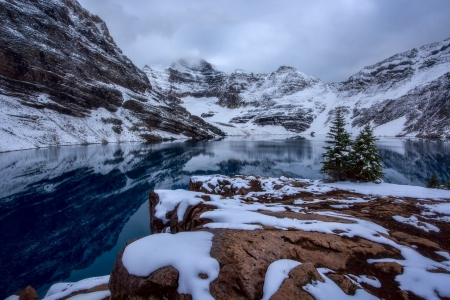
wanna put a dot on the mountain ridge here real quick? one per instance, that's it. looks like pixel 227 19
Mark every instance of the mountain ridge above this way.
pixel 410 87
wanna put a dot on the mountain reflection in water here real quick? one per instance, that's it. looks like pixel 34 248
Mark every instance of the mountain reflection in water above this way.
pixel 66 212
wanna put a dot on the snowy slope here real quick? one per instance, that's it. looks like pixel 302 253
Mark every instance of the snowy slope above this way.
pixel 404 95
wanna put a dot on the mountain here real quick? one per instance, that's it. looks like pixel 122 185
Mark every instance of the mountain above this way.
pixel 63 81
pixel 243 103
pixel 404 95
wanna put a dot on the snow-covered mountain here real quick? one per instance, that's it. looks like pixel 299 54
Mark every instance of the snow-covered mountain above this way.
pixel 404 95
pixel 64 81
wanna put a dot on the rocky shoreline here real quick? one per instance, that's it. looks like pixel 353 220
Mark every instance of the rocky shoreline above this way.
pixel 247 237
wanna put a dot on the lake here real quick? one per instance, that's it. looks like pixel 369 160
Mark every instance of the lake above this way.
pixel 65 213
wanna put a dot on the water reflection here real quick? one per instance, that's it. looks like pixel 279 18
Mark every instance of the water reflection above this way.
pixel 73 208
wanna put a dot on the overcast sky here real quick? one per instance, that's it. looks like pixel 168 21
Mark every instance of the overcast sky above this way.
pixel 329 39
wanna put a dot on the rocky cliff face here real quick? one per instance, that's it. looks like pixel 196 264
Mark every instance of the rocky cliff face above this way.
pixel 405 94
pixel 62 73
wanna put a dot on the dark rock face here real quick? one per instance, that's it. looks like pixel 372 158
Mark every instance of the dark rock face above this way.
pixel 56 56
pixel 425 108
pixel 60 49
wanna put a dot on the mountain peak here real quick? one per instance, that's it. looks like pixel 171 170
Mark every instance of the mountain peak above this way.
pixel 192 64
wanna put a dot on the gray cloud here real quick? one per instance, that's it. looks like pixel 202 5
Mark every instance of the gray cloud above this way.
pixel 328 39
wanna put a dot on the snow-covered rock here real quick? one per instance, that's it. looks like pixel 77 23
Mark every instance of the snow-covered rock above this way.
pixel 282 238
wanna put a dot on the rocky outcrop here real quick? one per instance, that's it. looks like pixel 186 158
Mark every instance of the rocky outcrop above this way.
pixel 61 73
pixel 29 293
pixel 353 242
pixel 161 283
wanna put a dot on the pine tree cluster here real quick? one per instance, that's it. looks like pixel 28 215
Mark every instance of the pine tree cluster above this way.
pixel 434 183
pixel 344 159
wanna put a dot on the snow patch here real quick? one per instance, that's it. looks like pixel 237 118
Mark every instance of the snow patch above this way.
pixel 416 223
pixel 330 290
pixel 91 296
pixel 153 252
pixel 64 289
pixel 276 273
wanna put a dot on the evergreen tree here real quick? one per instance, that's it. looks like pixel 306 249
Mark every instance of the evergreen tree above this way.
pixel 434 182
pixel 336 159
pixel 365 159
pixel 447 185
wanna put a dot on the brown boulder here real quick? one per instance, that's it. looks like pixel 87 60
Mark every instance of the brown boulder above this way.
pixel 389 267
pixel 29 293
pixel 343 282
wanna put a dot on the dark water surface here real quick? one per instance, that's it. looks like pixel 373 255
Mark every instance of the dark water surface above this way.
pixel 66 212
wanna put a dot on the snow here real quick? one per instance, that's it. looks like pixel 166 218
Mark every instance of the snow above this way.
pixel 395 190
pixel 236 226
pixel 63 289
pixel 170 199
pixel 91 296
pixel 391 128
pixel 188 252
pixel 223 115
pixel 363 278
pixel 444 254
pixel 276 273
pixel 441 208
pixel 330 290
pixel 415 276
pixel 416 223
pixel 424 284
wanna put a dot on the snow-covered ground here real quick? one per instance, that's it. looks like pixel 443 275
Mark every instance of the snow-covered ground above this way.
pixel 419 272
pixel 24 127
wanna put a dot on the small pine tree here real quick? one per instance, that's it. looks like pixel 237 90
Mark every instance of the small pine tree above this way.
pixel 447 185
pixel 365 159
pixel 434 182
pixel 336 158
